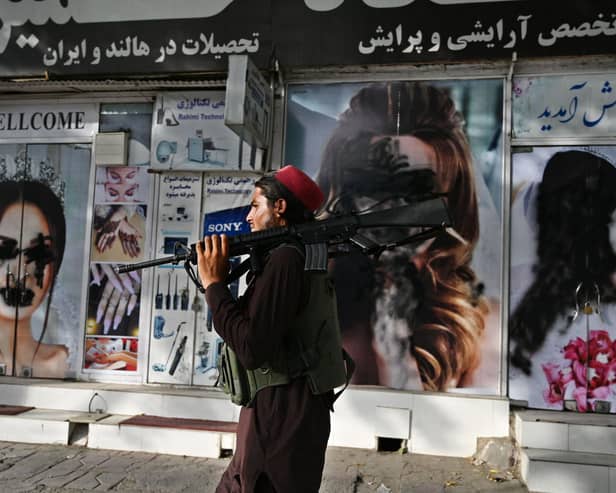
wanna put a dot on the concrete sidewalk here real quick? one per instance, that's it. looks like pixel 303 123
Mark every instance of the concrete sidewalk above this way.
pixel 73 469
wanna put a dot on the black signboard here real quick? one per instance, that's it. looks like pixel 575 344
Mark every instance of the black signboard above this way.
pixel 68 38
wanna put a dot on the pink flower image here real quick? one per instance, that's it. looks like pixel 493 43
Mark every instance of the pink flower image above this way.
pixel 600 342
pixel 554 393
pixel 579 394
pixel 576 350
pixel 587 375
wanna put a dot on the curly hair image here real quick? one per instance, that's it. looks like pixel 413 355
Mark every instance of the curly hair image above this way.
pixel 424 303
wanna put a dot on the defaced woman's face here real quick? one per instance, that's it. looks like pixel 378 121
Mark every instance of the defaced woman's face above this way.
pixel 418 154
pixel 28 291
pixel 410 154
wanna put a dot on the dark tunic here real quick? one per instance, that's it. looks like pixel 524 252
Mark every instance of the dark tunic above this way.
pixel 284 433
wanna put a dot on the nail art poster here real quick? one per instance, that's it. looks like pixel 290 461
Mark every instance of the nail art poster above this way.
pixel 177 305
pixel 118 237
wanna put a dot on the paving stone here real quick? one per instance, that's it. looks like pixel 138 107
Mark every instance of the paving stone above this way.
pixel 28 465
pixel 61 474
pixel 28 468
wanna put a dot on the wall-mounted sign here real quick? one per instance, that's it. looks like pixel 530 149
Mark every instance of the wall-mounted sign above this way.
pixel 189 133
pixel 248 99
pixel 564 106
pixel 118 37
pixel 47 120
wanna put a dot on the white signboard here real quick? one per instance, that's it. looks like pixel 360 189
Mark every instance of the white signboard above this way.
pixel 189 133
pixel 48 120
pixel 249 102
pixel 564 106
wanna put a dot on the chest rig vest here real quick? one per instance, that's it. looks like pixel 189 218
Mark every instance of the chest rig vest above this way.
pixel 312 349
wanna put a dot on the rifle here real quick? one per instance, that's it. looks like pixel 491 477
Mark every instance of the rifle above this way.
pixel 324 238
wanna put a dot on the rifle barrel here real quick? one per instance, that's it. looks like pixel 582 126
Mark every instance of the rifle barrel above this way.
pixel 172 259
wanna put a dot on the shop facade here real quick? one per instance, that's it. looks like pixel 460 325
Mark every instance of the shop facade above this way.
pixel 125 124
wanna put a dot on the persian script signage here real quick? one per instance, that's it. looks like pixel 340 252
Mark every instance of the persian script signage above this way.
pixel 65 37
pixel 564 106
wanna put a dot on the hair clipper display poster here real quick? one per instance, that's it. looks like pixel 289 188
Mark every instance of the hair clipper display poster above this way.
pixel 42 230
pixel 177 303
pixel 226 203
pixel 173 327
pixel 562 332
pixel 188 133
pixel 425 315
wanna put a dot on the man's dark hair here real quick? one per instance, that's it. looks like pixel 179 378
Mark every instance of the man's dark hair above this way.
pixel 273 190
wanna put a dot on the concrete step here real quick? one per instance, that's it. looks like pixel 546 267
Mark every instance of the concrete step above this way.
pixel 196 438
pixel 565 431
pixel 555 471
pixel 38 426
pixel 154 434
pixel 435 423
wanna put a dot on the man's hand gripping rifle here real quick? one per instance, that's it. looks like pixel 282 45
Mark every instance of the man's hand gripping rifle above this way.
pixel 325 238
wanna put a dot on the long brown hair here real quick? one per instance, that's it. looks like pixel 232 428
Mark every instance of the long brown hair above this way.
pixel 449 320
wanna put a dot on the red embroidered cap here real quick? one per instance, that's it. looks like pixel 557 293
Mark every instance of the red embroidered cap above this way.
pixel 300 185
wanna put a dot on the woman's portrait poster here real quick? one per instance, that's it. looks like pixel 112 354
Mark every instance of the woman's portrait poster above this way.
pixel 426 315
pixel 44 190
pixel 562 334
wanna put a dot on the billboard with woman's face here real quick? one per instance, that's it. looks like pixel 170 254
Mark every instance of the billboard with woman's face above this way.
pixel 43 200
pixel 562 336
pixel 424 315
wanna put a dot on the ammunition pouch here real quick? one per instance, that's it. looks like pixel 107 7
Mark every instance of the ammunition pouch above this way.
pixel 241 384
pixel 313 350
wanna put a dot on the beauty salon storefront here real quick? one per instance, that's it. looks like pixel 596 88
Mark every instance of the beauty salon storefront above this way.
pixel 127 123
